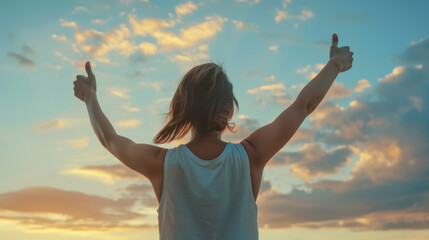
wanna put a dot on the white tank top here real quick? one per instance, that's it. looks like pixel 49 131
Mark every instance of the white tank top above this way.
pixel 207 200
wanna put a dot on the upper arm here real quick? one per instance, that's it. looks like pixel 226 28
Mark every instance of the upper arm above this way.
pixel 142 158
pixel 266 141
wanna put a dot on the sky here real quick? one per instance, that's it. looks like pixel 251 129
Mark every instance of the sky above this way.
pixel 357 168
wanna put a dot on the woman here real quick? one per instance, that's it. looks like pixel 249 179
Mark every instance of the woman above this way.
pixel 207 188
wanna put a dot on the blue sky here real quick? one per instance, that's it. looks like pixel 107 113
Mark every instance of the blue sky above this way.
pixel 368 136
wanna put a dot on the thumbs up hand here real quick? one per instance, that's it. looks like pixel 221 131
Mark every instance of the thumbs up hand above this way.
pixel 85 87
pixel 341 56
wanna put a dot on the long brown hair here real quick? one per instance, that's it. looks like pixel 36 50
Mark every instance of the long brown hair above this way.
pixel 203 102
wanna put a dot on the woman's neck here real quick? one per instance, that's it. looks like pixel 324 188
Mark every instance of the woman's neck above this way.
pixel 212 136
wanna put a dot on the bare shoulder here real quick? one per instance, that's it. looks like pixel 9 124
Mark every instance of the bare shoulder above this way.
pixel 151 160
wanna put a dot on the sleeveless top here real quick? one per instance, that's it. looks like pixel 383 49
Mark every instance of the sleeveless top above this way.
pixel 207 199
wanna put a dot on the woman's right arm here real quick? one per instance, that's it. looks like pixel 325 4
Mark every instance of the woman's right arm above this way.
pixel 266 141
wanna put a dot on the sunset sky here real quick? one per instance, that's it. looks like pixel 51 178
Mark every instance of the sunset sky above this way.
pixel 358 167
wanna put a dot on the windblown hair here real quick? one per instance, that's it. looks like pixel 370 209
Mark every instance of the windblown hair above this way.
pixel 202 102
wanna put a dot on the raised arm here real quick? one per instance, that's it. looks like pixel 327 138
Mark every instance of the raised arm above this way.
pixel 266 141
pixel 139 157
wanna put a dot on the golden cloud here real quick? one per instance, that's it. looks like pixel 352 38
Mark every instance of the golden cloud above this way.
pixel 119 92
pixel 361 85
pixel 273 48
pixel 188 37
pixel 42 208
pixel 76 143
pixel 185 8
pixel 131 123
pixel 338 90
pixel 105 173
pixel 154 85
pixel 271 87
pixel 60 123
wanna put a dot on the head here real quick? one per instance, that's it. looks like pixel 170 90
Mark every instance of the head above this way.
pixel 203 102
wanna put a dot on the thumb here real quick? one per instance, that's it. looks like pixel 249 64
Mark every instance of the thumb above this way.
pixel 334 40
pixel 88 69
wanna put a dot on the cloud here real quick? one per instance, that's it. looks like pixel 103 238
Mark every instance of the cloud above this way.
pixel 98 22
pixel 416 53
pixel 188 37
pixel 119 92
pixel 131 123
pixel 304 69
pixel 58 67
pixel 60 123
pixel 387 133
pixel 302 136
pixel 393 75
pixel 245 26
pixel 249 123
pixel 59 38
pixel 154 85
pixel 305 15
pixel 364 207
pixel 44 208
pixel 273 92
pixel 76 143
pixel 361 85
pixel 285 2
pixel 100 44
pixel 270 78
pixel 148 48
pixel 28 50
pixel 129 108
pixel 249 1
pixel 144 192
pixel 338 90
pixel 271 87
pixel 325 115
pixel 185 9
pixel 281 15
pixel 189 58
pixel 313 161
pixel 149 26
pixel 80 9
pixel 273 48
pixel 311 75
pixel 319 66
pixel 22 60
pixel 106 173
pixel 70 24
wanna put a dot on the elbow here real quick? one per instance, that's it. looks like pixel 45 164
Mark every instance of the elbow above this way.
pixel 312 105
pixel 305 107
pixel 106 140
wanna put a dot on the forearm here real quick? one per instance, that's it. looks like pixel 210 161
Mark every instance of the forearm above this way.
pixel 101 125
pixel 313 93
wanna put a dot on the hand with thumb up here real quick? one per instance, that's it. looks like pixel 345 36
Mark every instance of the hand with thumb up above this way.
pixel 85 87
pixel 342 56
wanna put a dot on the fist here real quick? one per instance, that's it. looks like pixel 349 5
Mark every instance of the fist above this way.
pixel 341 56
pixel 85 87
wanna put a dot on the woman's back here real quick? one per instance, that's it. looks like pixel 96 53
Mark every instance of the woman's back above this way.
pixel 207 199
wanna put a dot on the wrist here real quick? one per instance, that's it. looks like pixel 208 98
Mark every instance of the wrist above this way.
pixel 91 96
pixel 334 64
